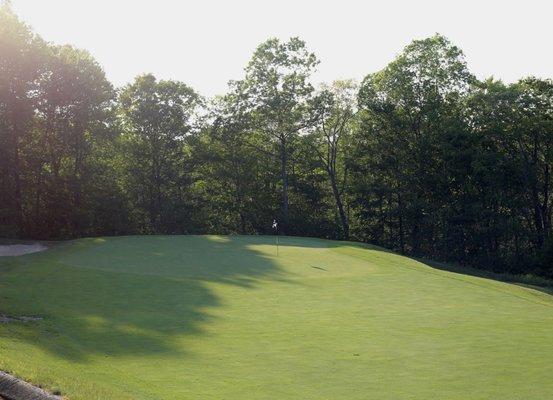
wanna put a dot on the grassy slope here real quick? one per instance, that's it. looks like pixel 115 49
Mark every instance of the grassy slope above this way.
pixel 223 318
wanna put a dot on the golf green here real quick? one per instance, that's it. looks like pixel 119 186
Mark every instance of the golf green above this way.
pixel 217 317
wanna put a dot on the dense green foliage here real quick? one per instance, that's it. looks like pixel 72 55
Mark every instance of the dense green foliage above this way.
pixel 223 317
pixel 420 157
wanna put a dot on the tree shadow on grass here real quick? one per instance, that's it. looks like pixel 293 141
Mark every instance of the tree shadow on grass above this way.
pixel 136 296
pixel 127 295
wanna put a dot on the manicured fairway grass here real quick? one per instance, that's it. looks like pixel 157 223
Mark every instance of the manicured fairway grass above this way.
pixel 209 317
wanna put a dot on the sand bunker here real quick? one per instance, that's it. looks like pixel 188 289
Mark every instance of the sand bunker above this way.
pixel 20 249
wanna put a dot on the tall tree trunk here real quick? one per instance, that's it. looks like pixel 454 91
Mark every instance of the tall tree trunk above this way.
pixel 401 231
pixel 16 174
pixel 539 220
pixel 284 177
pixel 242 223
pixel 339 204
pixel 38 195
pixel 77 194
pixel 546 208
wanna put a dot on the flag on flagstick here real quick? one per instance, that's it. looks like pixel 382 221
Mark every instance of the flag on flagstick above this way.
pixel 275 227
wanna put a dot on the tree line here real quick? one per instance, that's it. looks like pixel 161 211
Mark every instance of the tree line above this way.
pixel 420 157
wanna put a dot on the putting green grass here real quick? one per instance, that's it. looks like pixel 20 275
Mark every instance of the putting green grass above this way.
pixel 214 317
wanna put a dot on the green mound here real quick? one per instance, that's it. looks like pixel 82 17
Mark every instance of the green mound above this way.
pixel 212 317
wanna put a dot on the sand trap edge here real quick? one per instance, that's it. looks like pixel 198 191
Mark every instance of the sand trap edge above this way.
pixel 15 250
pixel 12 388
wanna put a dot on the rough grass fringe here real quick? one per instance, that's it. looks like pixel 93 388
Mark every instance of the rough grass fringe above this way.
pixel 12 388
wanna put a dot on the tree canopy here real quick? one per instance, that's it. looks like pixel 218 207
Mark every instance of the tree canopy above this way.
pixel 420 157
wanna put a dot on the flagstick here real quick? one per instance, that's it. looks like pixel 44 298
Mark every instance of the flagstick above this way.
pixel 275 227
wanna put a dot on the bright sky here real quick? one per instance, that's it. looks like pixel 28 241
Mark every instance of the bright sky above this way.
pixel 204 43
